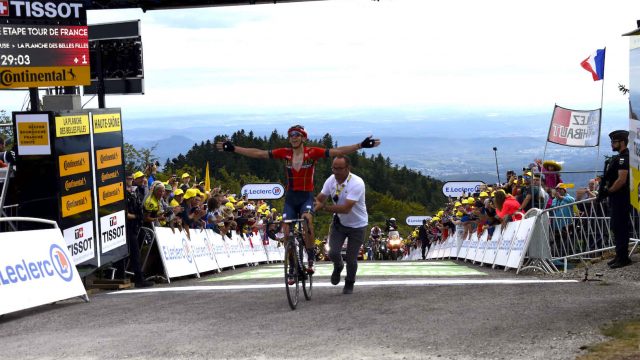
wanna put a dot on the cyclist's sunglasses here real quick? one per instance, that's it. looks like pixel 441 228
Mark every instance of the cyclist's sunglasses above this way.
pixel 295 133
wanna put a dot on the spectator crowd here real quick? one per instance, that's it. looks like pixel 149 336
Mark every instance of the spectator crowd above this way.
pixel 538 186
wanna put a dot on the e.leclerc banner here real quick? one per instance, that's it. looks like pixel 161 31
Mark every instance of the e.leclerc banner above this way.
pixel 40 273
pixel 110 192
pixel 578 128
pixel 72 143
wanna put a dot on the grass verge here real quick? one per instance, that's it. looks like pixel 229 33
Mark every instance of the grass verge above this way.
pixel 624 345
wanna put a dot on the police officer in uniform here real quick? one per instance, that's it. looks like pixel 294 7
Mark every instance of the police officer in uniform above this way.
pixel 616 188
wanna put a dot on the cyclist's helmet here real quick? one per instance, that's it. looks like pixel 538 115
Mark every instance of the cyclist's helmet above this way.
pixel 297 128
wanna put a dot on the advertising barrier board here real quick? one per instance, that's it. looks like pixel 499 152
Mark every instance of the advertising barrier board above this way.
pixel 175 252
pixel 202 251
pixel 38 274
pixel 220 249
pixel 520 243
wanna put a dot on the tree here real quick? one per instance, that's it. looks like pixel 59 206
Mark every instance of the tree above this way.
pixel 138 159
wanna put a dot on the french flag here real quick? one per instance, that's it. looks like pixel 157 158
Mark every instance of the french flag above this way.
pixel 595 64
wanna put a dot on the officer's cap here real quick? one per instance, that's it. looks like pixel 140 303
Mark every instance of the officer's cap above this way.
pixel 622 135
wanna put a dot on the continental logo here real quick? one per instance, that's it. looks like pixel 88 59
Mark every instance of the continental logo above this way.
pixel 103 123
pixel 109 175
pixel 33 133
pixel 76 203
pixel 21 77
pixel 108 157
pixel 72 125
pixel 72 184
pixel 111 193
pixel 73 164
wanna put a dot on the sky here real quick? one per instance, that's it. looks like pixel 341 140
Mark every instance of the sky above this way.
pixel 491 58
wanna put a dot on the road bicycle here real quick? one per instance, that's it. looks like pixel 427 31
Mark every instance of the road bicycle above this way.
pixel 295 271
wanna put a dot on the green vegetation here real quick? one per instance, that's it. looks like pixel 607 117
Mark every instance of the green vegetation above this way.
pixel 392 191
pixel 625 343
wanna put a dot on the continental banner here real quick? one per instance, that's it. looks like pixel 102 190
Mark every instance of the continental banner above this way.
pixel 22 77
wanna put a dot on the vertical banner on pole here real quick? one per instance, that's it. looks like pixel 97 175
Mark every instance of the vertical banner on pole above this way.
pixel 72 153
pixel 109 174
pixel 634 123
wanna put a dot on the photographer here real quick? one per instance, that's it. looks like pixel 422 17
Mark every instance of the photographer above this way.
pixel 151 172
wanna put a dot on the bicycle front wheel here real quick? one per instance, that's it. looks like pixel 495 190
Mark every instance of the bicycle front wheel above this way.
pixel 291 276
pixel 307 279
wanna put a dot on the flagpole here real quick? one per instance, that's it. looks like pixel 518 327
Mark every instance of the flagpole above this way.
pixel 601 107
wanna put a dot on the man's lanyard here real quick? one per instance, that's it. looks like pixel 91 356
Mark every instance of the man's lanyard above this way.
pixel 339 189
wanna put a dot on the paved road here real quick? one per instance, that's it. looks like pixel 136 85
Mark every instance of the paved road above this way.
pixel 450 310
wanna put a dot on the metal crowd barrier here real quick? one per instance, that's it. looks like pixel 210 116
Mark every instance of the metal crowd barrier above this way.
pixel 581 230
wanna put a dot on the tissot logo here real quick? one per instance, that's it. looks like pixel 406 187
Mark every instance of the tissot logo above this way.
pixel 4 8
pixel 79 233
pixel 49 9
pixel 113 221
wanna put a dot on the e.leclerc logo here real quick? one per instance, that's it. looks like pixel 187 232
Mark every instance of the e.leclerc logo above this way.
pixel 61 263
pixel 32 270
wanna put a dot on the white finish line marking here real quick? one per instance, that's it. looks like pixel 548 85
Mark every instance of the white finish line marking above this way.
pixel 413 282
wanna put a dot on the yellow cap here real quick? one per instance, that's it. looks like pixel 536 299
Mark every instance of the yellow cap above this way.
pixel 190 193
pixel 459 214
pixel 458 203
pixel 178 192
pixel 231 199
pixel 138 174
pixel 230 206
pixel 185 175
pixel 484 194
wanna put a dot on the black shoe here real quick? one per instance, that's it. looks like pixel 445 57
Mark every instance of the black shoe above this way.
pixel 619 264
pixel 348 287
pixel 144 284
pixel 612 261
pixel 335 276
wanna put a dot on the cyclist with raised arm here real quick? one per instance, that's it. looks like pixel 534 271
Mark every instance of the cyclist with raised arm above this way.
pixel 299 161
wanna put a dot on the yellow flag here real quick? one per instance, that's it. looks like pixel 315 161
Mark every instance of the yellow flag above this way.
pixel 207 182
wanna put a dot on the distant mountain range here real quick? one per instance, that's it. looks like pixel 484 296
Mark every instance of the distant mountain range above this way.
pixel 448 148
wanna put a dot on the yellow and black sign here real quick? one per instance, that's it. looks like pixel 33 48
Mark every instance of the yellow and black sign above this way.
pixel 72 184
pixel 72 125
pixel 73 163
pixel 76 203
pixel 22 77
pixel 111 193
pixel 33 133
pixel 108 157
pixel 103 123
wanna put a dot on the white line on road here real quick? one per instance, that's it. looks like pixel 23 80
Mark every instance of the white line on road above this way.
pixel 413 282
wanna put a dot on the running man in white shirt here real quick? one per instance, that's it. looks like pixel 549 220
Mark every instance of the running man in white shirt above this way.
pixel 346 192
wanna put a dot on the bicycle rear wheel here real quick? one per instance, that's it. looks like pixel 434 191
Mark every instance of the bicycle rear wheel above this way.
pixel 291 271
